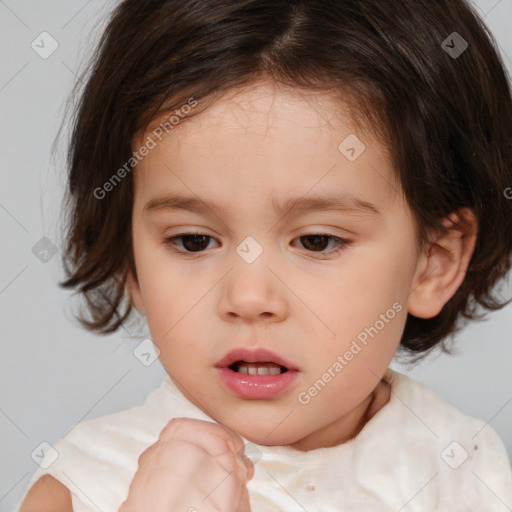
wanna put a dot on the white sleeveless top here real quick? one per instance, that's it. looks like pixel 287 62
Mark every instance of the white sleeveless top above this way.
pixel 417 453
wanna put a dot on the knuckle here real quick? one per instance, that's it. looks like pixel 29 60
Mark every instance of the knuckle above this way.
pixel 228 435
pixel 169 429
pixel 140 460
pixel 234 438
pixel 145 455
pixel 174 426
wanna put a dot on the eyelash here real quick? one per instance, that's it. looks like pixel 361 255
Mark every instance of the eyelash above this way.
pixel 170 242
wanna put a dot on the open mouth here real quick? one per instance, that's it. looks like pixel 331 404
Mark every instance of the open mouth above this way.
pixel 256 374
pixel 257 368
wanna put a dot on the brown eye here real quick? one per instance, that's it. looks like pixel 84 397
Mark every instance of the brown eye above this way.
pixel 191 242
pixel 315 242
pixel 318 242
pixel 198 243
pixel 195 242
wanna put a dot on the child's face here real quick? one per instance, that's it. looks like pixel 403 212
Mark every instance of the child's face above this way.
pixel 299 298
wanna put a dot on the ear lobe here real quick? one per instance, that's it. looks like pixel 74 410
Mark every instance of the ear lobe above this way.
pixel 134 292
pixel 442 269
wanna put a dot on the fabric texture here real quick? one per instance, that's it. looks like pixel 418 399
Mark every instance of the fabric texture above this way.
pixel 418 453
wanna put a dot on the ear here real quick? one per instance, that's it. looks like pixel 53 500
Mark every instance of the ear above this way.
pixel 442 268
pixel 133 287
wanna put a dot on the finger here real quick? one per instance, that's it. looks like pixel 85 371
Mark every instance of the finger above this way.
pixel 226 490
pixel 189 452
pixel 205 434
pixel 234 463
pixel 244 505
pixel 205 481
pixel 248 464
pixel 213 437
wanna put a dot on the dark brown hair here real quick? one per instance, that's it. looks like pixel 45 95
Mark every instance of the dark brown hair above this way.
pixel 445 115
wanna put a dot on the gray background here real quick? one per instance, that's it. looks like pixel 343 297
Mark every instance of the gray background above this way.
pixel 53 373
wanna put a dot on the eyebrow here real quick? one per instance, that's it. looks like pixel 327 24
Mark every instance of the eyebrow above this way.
pixel 297 205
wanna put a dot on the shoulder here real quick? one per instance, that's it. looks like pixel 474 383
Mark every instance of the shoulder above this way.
pixel 426 415
pixel 95 461
pixel 419 441
pixel 97 458
pixel 47 495
pixel 465 452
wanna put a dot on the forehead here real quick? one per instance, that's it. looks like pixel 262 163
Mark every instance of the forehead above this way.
pixel 266 138
pixel 257 107
pixel 264 108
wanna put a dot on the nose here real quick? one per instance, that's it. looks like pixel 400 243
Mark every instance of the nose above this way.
pixel 252 292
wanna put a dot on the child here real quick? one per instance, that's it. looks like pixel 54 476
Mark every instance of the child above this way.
pixel 288 191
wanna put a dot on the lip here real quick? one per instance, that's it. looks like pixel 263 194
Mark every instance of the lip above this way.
pixel 256 387
pixel 257 355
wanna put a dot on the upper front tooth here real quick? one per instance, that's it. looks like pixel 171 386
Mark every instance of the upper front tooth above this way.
pixel 262 370
pixel 258 369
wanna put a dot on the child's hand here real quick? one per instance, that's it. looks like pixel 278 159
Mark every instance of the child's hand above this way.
pixel 195 466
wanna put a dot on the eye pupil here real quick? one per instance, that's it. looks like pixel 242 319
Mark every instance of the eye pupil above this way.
pixel 196 239
pixel 316 241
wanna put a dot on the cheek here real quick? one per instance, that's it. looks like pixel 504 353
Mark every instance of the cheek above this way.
pixel 159 283
pixel 177 306
pixel 365 303
pixel 367 283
